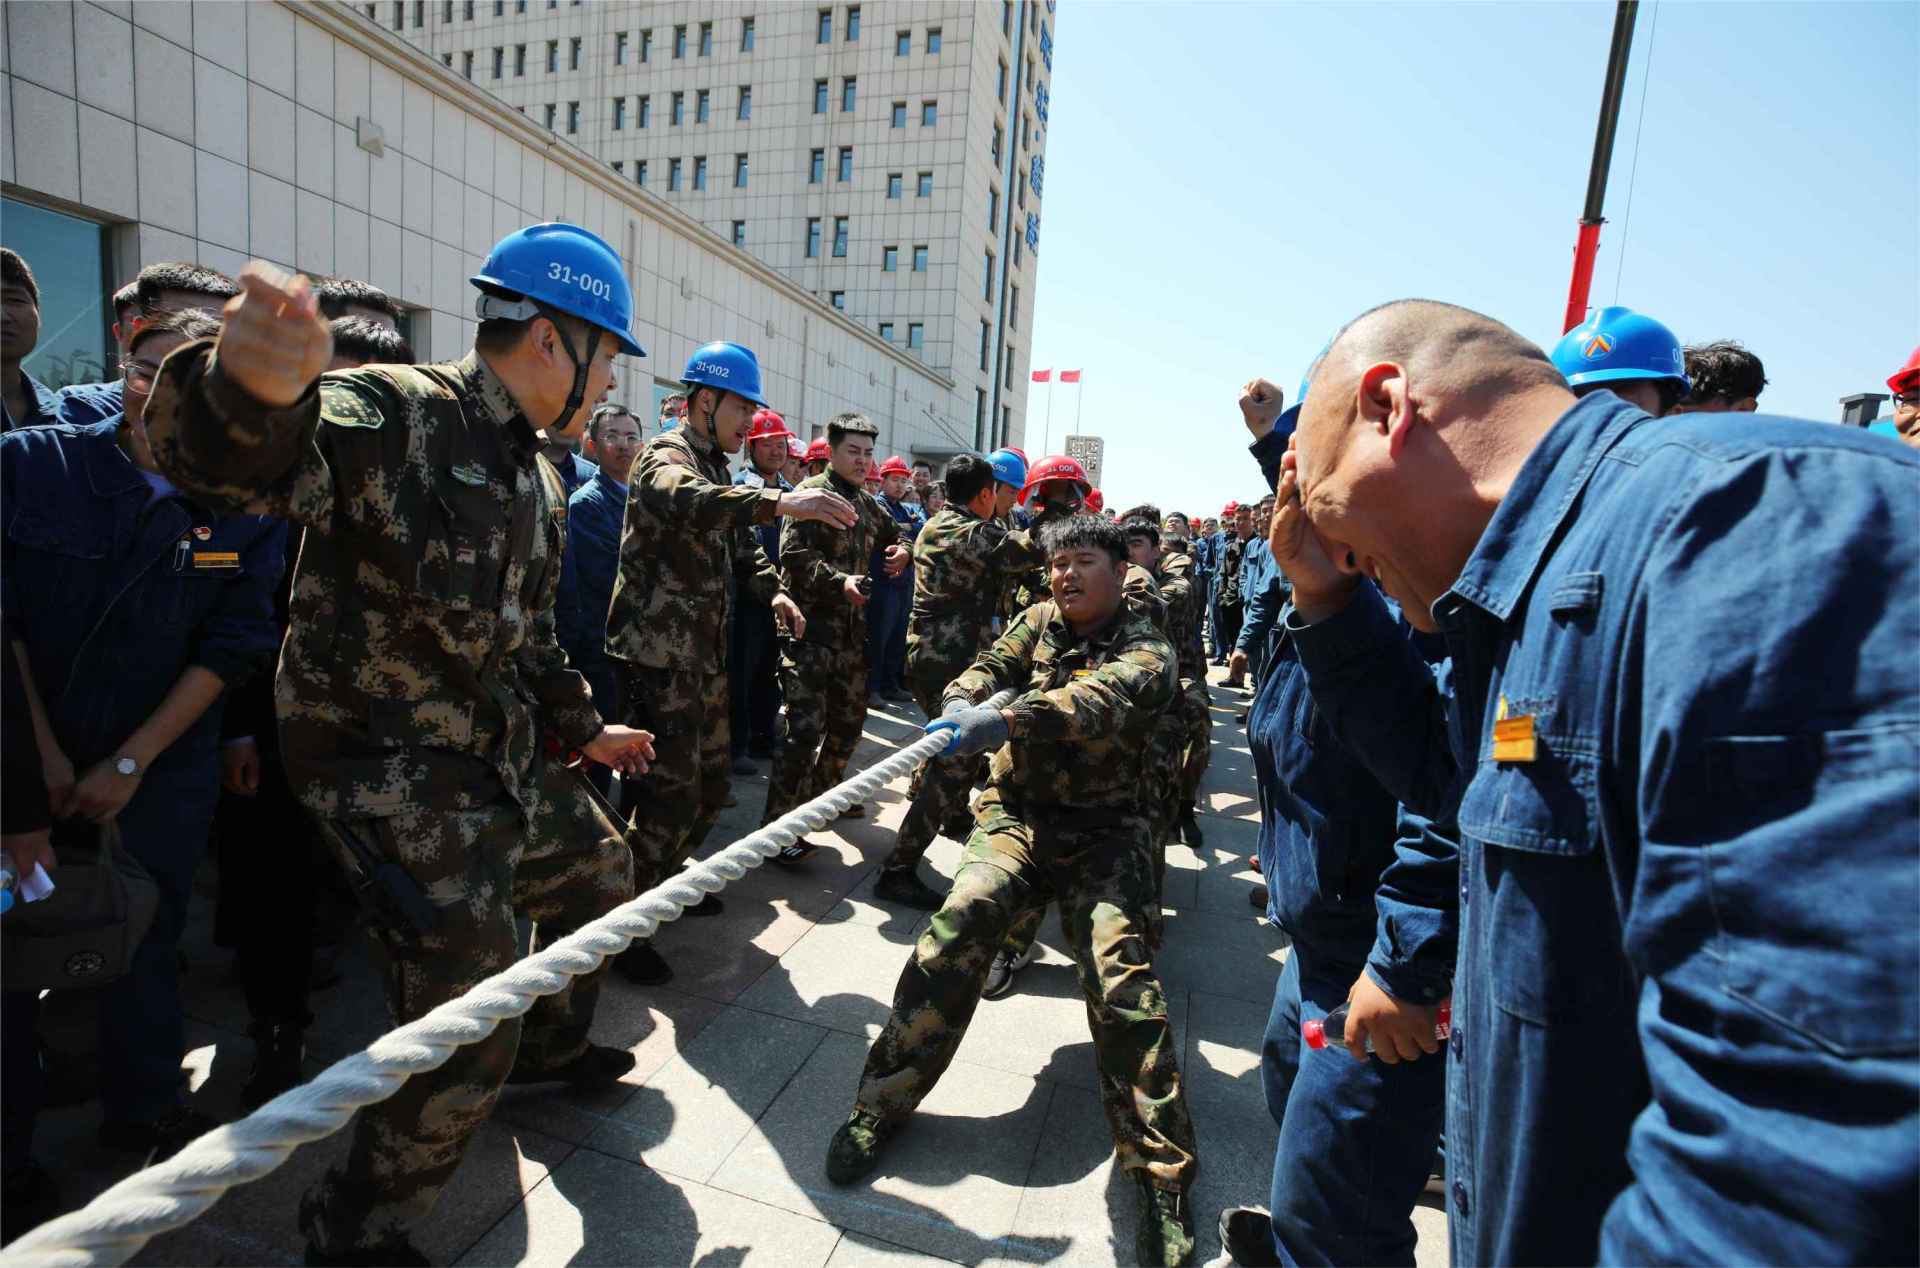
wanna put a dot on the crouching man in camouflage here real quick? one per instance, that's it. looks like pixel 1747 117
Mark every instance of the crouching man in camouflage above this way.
pixel 423 699
pixel 1062 820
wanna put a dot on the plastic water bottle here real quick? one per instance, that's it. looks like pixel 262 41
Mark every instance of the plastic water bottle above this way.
pixel 1332 1029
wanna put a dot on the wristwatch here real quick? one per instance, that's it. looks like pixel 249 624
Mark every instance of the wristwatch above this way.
pixel 125 765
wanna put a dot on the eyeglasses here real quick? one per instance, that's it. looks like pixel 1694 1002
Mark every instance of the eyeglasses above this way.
pixel 139 375
pixel 1907 398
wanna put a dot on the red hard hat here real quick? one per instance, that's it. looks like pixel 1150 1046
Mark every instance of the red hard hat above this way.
pixel 766 423
pixel 1907 377
pixel 820 451
pixel 795 449
pixel 1231 508
pixel 1021 452
pixel 1095 501
pixel 1058 467
pixel 873 477
pixel 895 465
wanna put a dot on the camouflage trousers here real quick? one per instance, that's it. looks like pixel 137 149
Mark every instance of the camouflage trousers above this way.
pixel 685 788
pixel 939 788
pixel 1198 716
pixel 826 693
pixel 565 864
pixel 1102 878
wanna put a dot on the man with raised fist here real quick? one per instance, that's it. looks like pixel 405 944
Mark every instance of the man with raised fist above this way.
pixel 428 718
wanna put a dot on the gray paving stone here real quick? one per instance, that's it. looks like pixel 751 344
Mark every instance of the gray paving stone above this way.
pixel 720 957
pixel 599 1210
pixel 699 1106
pixel 1227 955
pixel 948 1183
pixel 840 976
pixel 856 1250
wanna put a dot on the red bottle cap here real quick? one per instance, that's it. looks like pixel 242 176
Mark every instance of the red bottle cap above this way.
pixel 1314 1031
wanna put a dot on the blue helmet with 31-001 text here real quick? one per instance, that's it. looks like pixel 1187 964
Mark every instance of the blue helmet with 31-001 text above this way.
pixel 727 366
pixel 1008 468
pixel 562 267
pixel 1616 344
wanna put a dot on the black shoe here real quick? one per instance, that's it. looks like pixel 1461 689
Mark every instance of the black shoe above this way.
pixel 904 886
pixel 899 695
pixel 1246 1234
pixel 875 701
pixel 958 827
pixel 1190 829
pixel 28 1198
pixel 854 812
pixel 707 906
pixel 400 1254
pixel 1166 1228
pixel 279 1048
pixel 732 800
pixel 855 1148
pixel 599 1066
pixel 999 976
pixel 642 965
pixel 797 853
pixel 1241 719
pixel 158 1138
pixel 741 766
pixel 1257 897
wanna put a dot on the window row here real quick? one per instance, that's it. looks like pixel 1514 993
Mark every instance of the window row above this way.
pixel 916 332
pixel 677 170
pixel 623 41
pixel 677 108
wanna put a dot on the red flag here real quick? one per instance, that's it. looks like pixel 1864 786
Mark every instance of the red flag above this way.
pixel 1069 376
pixel 1042 376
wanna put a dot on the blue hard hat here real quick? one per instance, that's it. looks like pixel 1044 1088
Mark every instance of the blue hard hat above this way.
pixel 1008 468
pixel 565 268
pixel 1617 344
pixel 727 366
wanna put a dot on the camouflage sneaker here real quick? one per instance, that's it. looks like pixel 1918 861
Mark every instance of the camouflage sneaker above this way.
pixel 855 1149
pixel 1166 1227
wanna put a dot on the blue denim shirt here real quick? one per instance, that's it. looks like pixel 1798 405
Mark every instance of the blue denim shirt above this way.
pixel 85 403
pixel 768 534
pixel 911 522
pixel 1687 1005
pixel 43 405
pixel 115 591
pixel 1265 592
pixel 575 472
pixel 595 514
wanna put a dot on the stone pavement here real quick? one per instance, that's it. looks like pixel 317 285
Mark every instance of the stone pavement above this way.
pixel 712 1150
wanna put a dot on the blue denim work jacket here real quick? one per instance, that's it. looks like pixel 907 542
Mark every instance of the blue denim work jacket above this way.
pixel 115 592
pixel 83 404
pixel 595 513
pixel 911 522
pixel 1687 1003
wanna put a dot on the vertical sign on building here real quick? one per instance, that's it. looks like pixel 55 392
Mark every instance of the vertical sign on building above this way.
pixel 1087 451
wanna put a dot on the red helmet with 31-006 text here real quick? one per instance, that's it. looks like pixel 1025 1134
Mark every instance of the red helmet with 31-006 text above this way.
pixel 1058 467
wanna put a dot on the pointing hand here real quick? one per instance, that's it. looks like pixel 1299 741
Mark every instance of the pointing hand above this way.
pixel 274 343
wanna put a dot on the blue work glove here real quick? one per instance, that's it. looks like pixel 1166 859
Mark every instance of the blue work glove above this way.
pixel 955 707
pixel 976 729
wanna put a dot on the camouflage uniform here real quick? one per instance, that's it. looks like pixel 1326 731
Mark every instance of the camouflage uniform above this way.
pixel 823 676
pixel 687 539
pixel 1061 820
pixel 1180 582
pixel 418 685
pixel 961 564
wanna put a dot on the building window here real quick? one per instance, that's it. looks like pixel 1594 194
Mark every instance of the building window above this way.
pixel 619 48
pixel 619 113
pixel 673 176
pixel 929 114
pixel 1006 18
pixel 933 40
pixel 679 41
pixel 886 331
pixel 499 8
pixel 839 237
pixel 519 60
pixel 998 137
pixel 816 167
pixel 573 117
pixel 446 60
pixel 1001 85
pixel 419 14
pixel 700 171
pixel 846 163
pixel 1009 365
pixel 986 276
pixel 993 209
pixel 813 237
pixel 986 338
pixel 979 417
pixel 1033 19
pixel 466 11
pixel 706 39
pixel 924 187
pixel 853 23
pixel 746 35
pixel 902 43
pixel 1020 189
pixel 499 61
pixel 893 184
pixel 846 94
pixel 646 110
pixel 739 171
pixel 838 299
pixel 899 114
pixel 640 172
pixel 553 56
pixel 553 110
pixel 701 103
pixel 573 53
pixel 889 259
pixel 466 64
pixel 739 233
pixel 916 335
pixel 446 10
pixel 646 46
pixel 1016 250
pixel 1026 132
pixel 819 96
pixel 823 34
pixel 920 259
pixel 620 167
pixel 677 114
pixel 1013 308
pixel 745 109
pixel 519 6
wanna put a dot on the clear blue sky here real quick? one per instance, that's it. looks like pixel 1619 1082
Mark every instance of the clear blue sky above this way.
pixel 1227 183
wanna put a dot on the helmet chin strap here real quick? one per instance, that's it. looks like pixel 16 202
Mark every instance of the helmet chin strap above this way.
pixel 581 367
pixel 713 429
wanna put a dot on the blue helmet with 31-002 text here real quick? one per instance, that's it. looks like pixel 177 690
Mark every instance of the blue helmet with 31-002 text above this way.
pixel 565 268
pixel 727 366
pixel 1616 344
pixel 1008 467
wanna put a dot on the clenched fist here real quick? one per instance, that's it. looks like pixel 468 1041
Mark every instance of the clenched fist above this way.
pixel 274 342
pixel 1260 404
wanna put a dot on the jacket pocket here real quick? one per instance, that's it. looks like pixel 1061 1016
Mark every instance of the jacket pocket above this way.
pixel 1814 884
pixel 420 724
pixel 461 556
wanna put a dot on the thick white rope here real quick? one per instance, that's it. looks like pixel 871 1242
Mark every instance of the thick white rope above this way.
pixel 113 1227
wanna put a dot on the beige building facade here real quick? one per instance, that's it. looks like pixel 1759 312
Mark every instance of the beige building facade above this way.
pixel 314 136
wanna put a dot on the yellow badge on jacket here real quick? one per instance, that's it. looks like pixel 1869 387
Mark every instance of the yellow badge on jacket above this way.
pixel 1513 738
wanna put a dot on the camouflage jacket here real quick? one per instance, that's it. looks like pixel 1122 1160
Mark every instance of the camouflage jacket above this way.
pixel 1227 580
pixel 688 535
pixel 1086 710
pixel 421 665
pixel 961 564
pixel 1186 597
pixel 1142 592
pixel 816 559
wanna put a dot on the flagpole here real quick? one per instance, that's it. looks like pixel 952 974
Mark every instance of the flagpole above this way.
pixel 1046 437
pixel 1079 393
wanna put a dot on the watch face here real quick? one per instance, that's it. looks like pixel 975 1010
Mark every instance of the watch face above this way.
pixel 126 766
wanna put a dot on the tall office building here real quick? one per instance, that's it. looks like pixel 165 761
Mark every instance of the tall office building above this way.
pixel 886 156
